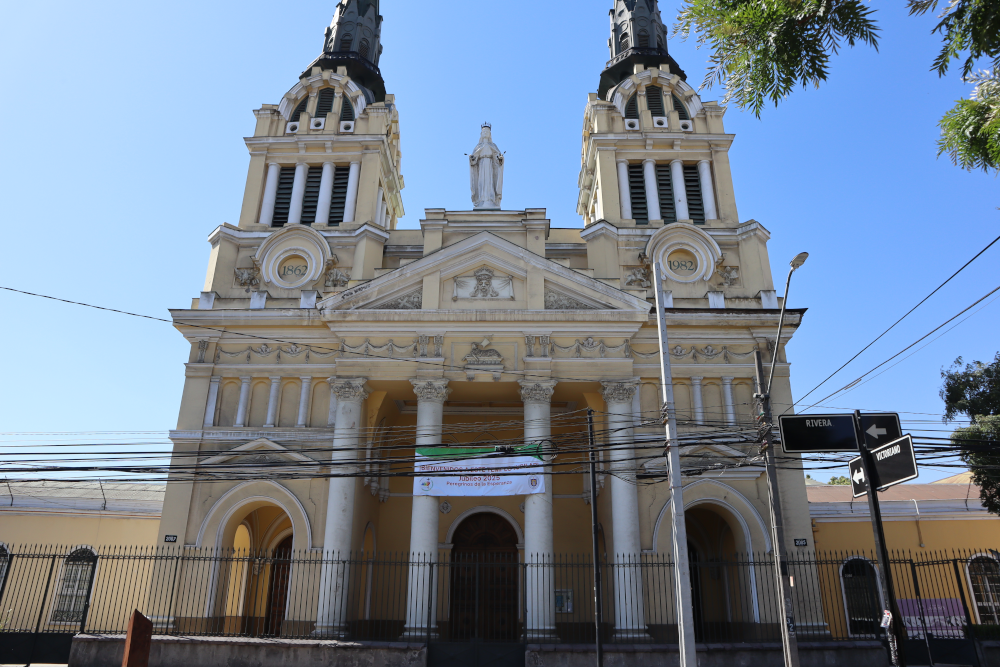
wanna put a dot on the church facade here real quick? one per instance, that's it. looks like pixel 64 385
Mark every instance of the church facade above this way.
pixel 334 356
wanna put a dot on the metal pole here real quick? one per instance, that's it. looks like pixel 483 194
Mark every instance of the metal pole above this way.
pixel 894 633
pixel 789 642
pixel 598 602
pixel 682 569
pixel 41 612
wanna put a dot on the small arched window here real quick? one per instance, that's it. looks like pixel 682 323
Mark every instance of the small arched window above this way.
pixel 347 110
pixel 632 108
pixel 643 40
pixel 365 48
pixel 861 597
pixel 624 41
pixel 984 579
pixel 75 586
pixel 299 110
pixel 681 110
pixel 346 42
pixel 4 563
pixel 324 104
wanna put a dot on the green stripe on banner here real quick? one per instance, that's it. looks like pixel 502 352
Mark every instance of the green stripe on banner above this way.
pixel 534 449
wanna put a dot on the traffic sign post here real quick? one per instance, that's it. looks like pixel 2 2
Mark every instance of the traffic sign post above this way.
pixel 895 463
pixel 895 632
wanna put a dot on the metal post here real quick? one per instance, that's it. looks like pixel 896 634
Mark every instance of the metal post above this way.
pixel 923 616
pixel 894 633
pixel 41 611
pixel 682 570
pixel 789 642
pixel 430 601
pixel 598 602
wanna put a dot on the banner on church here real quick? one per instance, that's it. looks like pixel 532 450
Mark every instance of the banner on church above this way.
pixel 478 471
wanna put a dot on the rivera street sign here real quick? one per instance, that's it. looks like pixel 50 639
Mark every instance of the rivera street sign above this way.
pixel 813 434
pixel 895 463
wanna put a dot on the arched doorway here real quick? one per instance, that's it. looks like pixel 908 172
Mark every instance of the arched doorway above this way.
pixel 484 580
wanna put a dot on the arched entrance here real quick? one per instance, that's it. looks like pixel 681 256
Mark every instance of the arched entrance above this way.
pixel 281 569
pixel 484 580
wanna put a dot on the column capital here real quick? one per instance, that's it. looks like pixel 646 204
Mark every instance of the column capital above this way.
pixel 350 390
pixel 330 162
pixel 727 380
pixel 306 378
pixel 275 379
pixel 622 160
pixel 677 161
pixel 649 160
pixel 708 162
pixel 695 380
pixel 537 391
pixel 216 379
pixel 246 380
pixel 272 163
pixel 356 162
pixel 431 391
pixel 619 391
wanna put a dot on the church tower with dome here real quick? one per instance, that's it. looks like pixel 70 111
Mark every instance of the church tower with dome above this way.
pixel 340 366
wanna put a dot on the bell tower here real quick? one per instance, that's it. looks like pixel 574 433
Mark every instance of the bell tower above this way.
pixel 638 37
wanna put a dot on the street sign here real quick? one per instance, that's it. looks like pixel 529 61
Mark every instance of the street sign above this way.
pixel 895 463
pixel 880 428
pixel 812 434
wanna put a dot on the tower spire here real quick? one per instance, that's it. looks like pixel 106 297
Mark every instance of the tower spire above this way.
pixel 638 37
pixel 354 41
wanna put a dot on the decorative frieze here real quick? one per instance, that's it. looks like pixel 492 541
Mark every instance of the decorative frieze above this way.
pixel 559 301
pixel 483 360
pixel 412 301
pixel 266 350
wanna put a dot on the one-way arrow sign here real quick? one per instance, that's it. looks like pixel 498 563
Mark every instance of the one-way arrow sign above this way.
pixel 895 463
pixel 880 428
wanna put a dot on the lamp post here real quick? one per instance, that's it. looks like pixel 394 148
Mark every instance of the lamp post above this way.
pixel 789 642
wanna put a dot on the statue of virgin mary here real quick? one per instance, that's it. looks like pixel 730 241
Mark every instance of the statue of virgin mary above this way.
pixel 486 168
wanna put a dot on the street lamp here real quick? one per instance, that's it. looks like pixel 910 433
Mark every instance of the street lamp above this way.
pixel 796 263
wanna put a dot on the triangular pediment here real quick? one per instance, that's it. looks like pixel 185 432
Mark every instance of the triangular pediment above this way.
pixel 261 452
pixel 485 272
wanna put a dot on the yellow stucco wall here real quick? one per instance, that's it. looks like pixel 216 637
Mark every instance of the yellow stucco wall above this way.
pixel 90 529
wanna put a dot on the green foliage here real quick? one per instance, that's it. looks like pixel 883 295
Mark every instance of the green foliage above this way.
pixel 762 49
pixel 970 132
pixel 840 481
pixel 983 458
pixel 974 391
pixel 967 26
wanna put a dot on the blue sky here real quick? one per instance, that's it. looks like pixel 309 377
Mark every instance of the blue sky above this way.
pixel 124 150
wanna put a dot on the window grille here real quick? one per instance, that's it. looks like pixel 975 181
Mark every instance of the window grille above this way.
pixel 984 577
pixel 692 188
pixel 74 587
pixel 310 199
pixel 299 110
pixel 365 48
pixel 632 108
pixel 643 40
pixel 339 199
pixel 347 111
pixel 283 198
pixel 665 189
pixel 325 103
pixel 637 192
pixel 624 41
pixel 654 100
pixel 346 43
pixel 681 110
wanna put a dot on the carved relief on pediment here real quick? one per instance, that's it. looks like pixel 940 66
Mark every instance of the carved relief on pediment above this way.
pixel 484 284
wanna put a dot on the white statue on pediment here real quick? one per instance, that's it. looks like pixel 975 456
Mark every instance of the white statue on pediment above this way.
pixel 486 170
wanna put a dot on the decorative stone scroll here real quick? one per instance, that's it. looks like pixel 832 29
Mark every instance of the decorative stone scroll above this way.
pixel 537 391
pixel 349 390
pixel 591 345
pixel 484 284
pixel 558 301
pixel 432 391
pixel 266 350
pixel 412 301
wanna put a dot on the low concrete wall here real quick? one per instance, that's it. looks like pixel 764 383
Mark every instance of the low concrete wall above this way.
pixel 990 653
pixel 813 654
pixel 108 650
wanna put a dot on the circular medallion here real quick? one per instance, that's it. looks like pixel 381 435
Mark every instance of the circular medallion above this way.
pixel 293 269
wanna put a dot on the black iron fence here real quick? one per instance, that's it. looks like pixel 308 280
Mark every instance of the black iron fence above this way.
pixel 488 597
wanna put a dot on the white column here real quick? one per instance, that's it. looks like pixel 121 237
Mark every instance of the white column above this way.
pixel 241 410
pixel 331 418
pixel 539 546
pixel 652 192
pixel 707 189
pixel 629 612
pixel 624 191
pixel 380 207
pixel 727 399
pixel 325 194
pixel 270 193
pixel 333 594
pixel 272 402
pixel 304 399
pixel 213 400
pixel 424 520
pixel 351 206
pixel 696 399
pixel 680 191
pixel 298 193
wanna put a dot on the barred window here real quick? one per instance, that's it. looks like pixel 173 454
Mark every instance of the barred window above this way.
pixel 364 49
pixel 74 587
pixel 861 597
pixel 984 580
pixel 643 40
pixel 346 43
